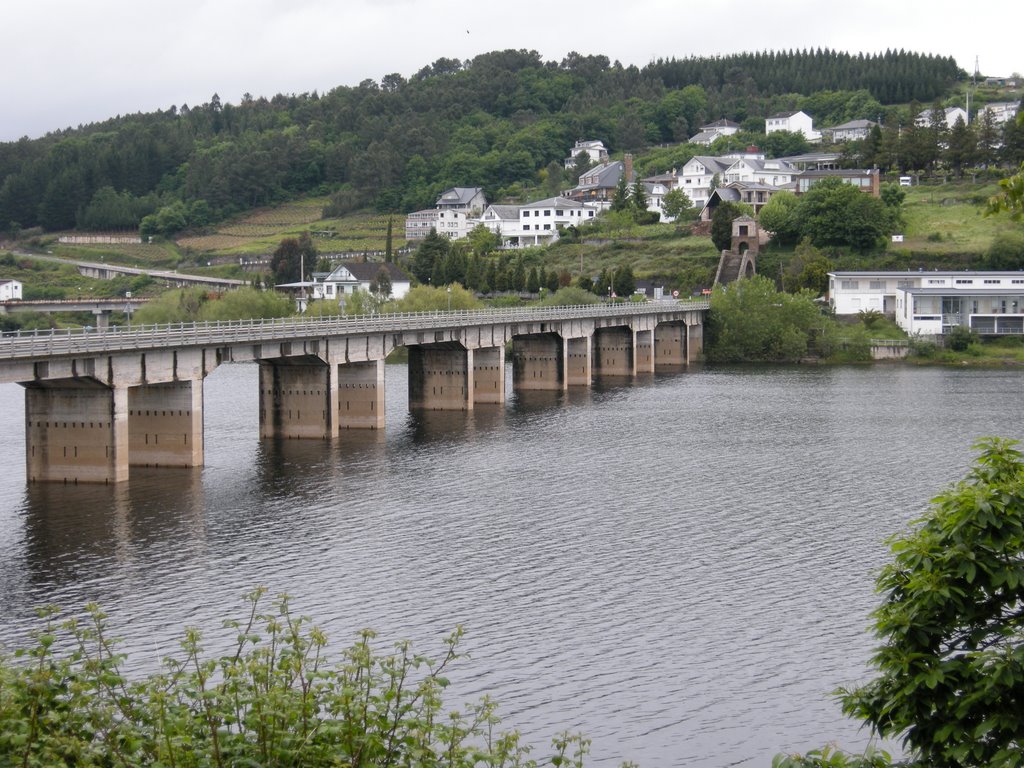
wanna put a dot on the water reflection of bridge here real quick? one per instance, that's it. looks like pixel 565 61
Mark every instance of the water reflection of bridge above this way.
pixel 99 402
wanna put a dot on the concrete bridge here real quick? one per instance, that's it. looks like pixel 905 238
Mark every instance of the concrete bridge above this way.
pixel 100 308
pixel 98 402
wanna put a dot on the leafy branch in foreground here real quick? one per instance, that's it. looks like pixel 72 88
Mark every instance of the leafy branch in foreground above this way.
pixel 275 700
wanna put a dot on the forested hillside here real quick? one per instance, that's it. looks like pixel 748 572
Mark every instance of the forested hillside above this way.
pixel 494 121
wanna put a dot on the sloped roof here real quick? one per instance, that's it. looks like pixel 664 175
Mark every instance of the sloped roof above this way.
pixel 853 125
pixel 713 164
pixel 458 195
pixel 607 175
pixel 723 123
pixel 366 271
pixel 509 212
pixel 554 202
pixel 704 137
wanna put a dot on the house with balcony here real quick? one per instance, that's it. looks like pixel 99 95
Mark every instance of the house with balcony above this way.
pixel 852 130
pixel 794 122
pixel 698 174
pixel 594 150
pixel 453 223
pixel 540 222
pixel 598 184
pixel 865 179
pixel 933 303
pixel 757 170
pixel 469 200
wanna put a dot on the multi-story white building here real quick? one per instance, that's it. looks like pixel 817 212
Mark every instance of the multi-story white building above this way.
pixel 852 130
pixel 708 133
pixel 756 170
pixel 540 222
pixel 795 122
pixel 932 303
pixel 452 223
pixel 1000 111
pixel 697 175
pixel 594 150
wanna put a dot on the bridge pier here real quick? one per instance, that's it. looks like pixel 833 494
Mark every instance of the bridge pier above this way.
pixel 295 398
pixel 670 346
pixel 165 424
pixel 643 351
pixel 489 375
pixel 538 362
pixel 359 392
pixel 578 361
pixel 441 378
pixel 76 431
pixel 614 352
pixel 694 342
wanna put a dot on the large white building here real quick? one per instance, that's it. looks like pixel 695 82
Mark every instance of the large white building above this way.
pixel 794 122
pixel 932 303
pixel 10 290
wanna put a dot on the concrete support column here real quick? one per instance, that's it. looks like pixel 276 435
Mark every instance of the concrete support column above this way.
pixel 670 346
pixel 538 362
pixel 165 424
pixel 102 318
pixel 360 395
pixel 695 342
pixel 76 432
pixel 613 352
pixel 440 378
pixel 578 361
pixel 643 351
pixel 295 399
pixel 489 375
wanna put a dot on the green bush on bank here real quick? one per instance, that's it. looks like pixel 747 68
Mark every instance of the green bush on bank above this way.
pixel 274 700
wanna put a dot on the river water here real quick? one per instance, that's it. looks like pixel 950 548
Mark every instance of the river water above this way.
pixel 681 567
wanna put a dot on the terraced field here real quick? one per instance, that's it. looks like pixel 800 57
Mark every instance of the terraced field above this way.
pixel 260 233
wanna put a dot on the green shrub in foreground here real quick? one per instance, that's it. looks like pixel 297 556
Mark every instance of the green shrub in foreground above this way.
pixel 275 700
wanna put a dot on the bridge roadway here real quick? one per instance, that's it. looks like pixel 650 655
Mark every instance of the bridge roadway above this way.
pixel 98 402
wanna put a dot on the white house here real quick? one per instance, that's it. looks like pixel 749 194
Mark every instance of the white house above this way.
pixel 10 290
pixel 540 222
pixel 697 175
pixel 775 173
pixel 348 278
pixel 795 122
pixel 949 116
pixel 594 150
pixel 501 219
pixel 708 133
pixel 469 200
pixel 932 303
pixel 853 130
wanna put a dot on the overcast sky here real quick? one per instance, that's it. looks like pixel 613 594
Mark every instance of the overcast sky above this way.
pixel 70 62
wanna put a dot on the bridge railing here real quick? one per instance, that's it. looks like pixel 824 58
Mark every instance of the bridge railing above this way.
pixel 28 344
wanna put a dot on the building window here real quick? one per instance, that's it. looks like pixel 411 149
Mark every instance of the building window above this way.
pixel 936 282
pixel 993 282
pixel 876 285
pixel 849 285
pixel 904 283
pixel 962 281
pixel 547 226
pixel 547 213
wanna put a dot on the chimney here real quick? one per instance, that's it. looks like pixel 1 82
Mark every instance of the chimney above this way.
pixel 627 167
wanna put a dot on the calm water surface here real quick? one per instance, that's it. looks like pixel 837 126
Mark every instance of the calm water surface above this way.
pixel 680 567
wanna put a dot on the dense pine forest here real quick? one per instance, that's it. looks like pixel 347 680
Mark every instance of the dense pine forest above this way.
pixel 494 121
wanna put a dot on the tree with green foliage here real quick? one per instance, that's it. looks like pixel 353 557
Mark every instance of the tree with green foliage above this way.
pixel 276 698
pixel 287 261
pixel 551 282
pixel 177 306
pixel 1006 252
pixel 676 205
pixel 750 321
pixel 429 298
pixel 430 252
pixel 245 304
pixel 721 224
pixel 620 197
pixel 533 281
pixel 808 269
pixel 381 283
pixel 624 283
pixel 1010 197
pixel 950 669
pixel 779 216
pixel 569 296
pixel 638 198
pixel 961 147
pixel 834 213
